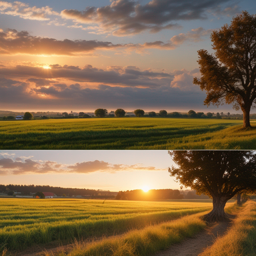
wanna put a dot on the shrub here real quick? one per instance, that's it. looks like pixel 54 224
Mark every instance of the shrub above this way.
pixel 139 112
pixel 28 116
pixel 119 112
pixel 152 114
pixel 192 113
pixel 100 112
pixel 40 194
pixel 174 114
pixel 209 114
pixel 86 116
pixel 163 113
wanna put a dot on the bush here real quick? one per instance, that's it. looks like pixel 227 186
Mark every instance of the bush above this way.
pixel 28 116
pixel 139 112
pixel 192 113
pixel 45 117
pixel 152 114
pixel 40 194
pixel 86 116
pixel 209 114
pixel 119 112
pixel 163 113
pixel 100 112
pixel 81 114
pixel 200 114
pixel 174 114
pixel 10 193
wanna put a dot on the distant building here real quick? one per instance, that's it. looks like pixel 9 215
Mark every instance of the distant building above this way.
pixel 19 117
pixel 49 194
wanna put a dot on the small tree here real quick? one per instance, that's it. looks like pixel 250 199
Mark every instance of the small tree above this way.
pixel 174 114
pixel 28 116
pixel 200 114
pixel 86 116
pixel 81 114
pixel 65 114
pixel 219 174
pixel 209 114
pixel 229 76
pixel 192 113
pixel 152 114
pixel 100 112
pixel 139 112
pixel 40 194
pixel 163 113
pixel 218 115
pixel 119 112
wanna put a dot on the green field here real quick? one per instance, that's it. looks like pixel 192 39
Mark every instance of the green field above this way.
pixel 28 222
pixel 126 133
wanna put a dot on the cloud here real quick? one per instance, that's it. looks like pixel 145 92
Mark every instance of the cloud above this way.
pixel 128 17
pixel 24 11
pixel 14 42
pixel 21 166
pixel 123 76
pixel 175 92
pixel 183 80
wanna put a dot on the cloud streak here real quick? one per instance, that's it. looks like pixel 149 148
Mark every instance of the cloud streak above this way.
pixel 24 11
pixel 14 42
pixel 19 166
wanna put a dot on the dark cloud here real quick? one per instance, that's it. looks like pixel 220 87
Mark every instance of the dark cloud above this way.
pixel 128 17
pixel 123 76
pixel 28 166
pixel 14 42
pixel 175 93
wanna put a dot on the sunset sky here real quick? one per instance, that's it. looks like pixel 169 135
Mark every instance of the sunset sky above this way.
pixel 93 169
pixel 81 55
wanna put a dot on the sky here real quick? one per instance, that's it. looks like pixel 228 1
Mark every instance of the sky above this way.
pixel 64 55
pixel 113 170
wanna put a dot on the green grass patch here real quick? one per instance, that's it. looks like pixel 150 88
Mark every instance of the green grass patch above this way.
pixel 126 133
pixel 28 222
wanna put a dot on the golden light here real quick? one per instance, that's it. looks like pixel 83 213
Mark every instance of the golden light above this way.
pixel 145 189
pixel 46 67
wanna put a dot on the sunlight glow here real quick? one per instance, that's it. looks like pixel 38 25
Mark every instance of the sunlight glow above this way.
pixel 46 67
pixel 145 189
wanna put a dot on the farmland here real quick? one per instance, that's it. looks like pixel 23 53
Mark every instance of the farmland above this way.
pixel 28 222
pixel 126 133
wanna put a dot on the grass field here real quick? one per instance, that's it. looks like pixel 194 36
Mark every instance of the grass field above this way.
pixel 126 133
pixel 28 222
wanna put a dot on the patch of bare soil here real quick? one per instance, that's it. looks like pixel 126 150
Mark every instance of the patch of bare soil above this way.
pixel 195 245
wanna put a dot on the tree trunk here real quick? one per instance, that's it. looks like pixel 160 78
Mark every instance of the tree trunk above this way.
pixel 246 117
pixel 217 213
pixel 238 197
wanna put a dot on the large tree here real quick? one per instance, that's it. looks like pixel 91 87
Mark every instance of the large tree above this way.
pixel 229 74
pixel 219 174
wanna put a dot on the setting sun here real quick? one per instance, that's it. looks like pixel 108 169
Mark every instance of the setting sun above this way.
pixel 46 67
pixel 145 188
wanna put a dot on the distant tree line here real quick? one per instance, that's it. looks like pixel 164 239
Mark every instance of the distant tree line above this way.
pixel 27 189
pixel 154 194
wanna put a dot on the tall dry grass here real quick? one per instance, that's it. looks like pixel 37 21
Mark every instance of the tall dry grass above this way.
pixel 240 240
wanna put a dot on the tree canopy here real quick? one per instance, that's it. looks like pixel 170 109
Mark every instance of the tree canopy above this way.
pixel 163 113
pixel 219 174
pixel 139 112
pixel 28 116
pixel 100 112
pixel 119 112
pixel 229 75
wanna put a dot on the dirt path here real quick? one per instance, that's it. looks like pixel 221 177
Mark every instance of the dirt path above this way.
pixel 197 244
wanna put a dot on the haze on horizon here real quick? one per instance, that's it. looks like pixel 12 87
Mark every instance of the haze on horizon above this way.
pixel 70 55
pixel 112 170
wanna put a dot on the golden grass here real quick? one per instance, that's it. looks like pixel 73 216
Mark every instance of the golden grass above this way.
pixel 143 242
pixel 240 239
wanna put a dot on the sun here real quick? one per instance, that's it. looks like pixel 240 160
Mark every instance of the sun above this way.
pixel 46 67
pixel 145 189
